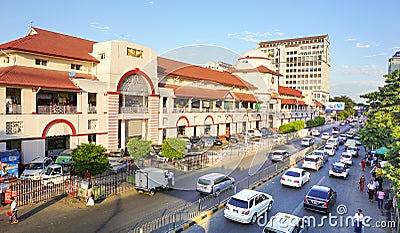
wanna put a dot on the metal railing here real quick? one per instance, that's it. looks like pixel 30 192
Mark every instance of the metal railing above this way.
pixel 57 109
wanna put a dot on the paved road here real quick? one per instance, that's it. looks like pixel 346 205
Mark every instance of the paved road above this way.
pixel 62 216
pixel 290 200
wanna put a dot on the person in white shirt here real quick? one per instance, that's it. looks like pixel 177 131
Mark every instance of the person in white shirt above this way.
pixel 381 195
pixel 358 221
pixel 14 209
pixel 371 190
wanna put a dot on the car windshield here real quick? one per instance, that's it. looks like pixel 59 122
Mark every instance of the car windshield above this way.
pixel 318 152
pixel 306 139
pixel 48 171
pixel 277 153
pixel 318 193
pixel 351 148
pixel 204 181
pixel 292 173
pixel 238 203
pixel 337 167
pixel 328 148
pixel 346 156
pixel 307 159
pixel 35 166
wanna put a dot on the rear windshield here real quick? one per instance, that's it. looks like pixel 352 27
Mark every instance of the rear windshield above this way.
pixel 328 147
pixel 310 159
pixel 335 128
pixel 238 203
pixel 318 193
pixel 35 166
pixel 318 153
pixel 336 167
pixel 204 181
pixel 331 141
pixel 292 173
pixel 277 153
pixel 346 156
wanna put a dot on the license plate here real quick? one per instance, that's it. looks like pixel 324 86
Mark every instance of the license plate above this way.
pixel 289 180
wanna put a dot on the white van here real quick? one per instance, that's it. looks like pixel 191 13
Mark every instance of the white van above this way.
pixel 333 141
pixel 214 183
pixel 36 168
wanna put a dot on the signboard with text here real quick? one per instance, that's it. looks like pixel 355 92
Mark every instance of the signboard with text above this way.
pixel 334 106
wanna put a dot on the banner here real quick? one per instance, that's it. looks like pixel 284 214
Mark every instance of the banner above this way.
pixel 334 106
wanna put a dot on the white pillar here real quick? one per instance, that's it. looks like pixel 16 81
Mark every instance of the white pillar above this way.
pixel 144 129
pixel 123 135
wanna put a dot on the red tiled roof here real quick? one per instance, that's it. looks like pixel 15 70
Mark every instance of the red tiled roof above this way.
pixel 176 68
pixel 319 104
pixel 294 39
pixel 35 77
pixel 245 97
pixel 195 92
pixel 260 69
pixel 288 101
pixel 289 91
pixel 44 42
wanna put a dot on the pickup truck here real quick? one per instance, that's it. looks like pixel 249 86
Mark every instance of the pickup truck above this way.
pixel 54 175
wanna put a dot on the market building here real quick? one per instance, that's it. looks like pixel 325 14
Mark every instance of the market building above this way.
pixel 58 91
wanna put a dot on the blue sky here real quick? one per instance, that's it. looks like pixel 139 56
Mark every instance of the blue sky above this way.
pixel 363 34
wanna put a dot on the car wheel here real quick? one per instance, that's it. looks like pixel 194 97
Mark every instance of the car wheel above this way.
pixel 152 192
pixel 254 218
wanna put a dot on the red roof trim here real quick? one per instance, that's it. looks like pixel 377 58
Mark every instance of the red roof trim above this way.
pixel 289 91
pixel 139 72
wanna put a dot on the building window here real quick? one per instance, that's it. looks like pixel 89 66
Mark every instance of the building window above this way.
pixel 102 56
pixel 6 60
pixel 93 124
pixel 92 138
pixel 14 127
pixel 76 67
pixel 40 62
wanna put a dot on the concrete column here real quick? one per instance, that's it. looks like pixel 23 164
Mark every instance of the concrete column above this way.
pixel 123 135
pixel 190 105
pixel 144 129
pixel 3 98
pixel 79 103
pixel 84 103
pixel 201 105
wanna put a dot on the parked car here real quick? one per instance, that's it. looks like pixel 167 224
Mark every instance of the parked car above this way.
pixel 55 174
pixel 117 164
pixel 295 177
pixel 353 150
pixel 315 132
pixel 339 169
pixel 322 154
pixel 320 198
pixel 325 135
pixel 279 155
pixel 330 149
pixel 247 205
pixel 285 223
pixel 312 162
pixel 217 141
pixel 214 183
pixel 254 133
pixel 232 138
pixel 307 142
pixel 346 158
pixel 36 168
pixel 207 140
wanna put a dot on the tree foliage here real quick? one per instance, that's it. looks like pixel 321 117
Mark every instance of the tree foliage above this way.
pixel 173 148
pixel 318 121
pixel 89 157
pixel 138 149
pixel 291 127
pixel 382 126
pixel 348 103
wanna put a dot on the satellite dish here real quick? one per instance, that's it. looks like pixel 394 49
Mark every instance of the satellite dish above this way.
pixel 72 73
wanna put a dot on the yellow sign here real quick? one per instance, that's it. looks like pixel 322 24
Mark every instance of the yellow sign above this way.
pixel 135 53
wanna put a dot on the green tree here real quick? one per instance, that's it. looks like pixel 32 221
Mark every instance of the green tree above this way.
pixel 173 148
pixel 138 149
pixel 90 157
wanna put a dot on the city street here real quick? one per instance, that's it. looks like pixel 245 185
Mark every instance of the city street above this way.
pixel 119 211
pixel 290 200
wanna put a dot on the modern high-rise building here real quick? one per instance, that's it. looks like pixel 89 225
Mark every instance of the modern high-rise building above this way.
pixel 304 64
pixel 394 62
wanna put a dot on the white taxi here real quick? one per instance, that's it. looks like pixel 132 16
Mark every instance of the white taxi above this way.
pixel 295 177
pixel 346 158
pixel 312 162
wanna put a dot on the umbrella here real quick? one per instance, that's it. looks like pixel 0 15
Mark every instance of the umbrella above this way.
pixel 381 151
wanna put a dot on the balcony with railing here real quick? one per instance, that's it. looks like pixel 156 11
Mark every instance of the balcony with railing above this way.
pixel 56 109
pixel 13 109
pixel 134 109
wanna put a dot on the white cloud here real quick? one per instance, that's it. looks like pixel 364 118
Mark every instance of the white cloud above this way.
pixel 99 26
pixel 151 2
pixel 254 37
pixel 355 88
pixel 360 45
pixel 352 39
pixel 358 71
pixel 376 55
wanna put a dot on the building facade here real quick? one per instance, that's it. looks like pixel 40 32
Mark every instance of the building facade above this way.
pixel 58 91
pixel 394 62
pixel 304 64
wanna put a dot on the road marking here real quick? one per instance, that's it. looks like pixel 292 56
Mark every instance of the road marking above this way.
pixel 300 205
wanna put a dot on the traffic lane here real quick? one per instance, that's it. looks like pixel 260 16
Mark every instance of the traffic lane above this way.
pixel 289 200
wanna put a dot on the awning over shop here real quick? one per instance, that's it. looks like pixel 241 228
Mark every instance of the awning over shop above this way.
pixel 381 151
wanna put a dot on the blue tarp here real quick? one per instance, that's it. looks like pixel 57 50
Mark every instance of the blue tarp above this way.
pixel 9 161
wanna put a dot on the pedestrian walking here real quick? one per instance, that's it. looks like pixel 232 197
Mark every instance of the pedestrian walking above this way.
pixel 361 184
pixel 380 181
pixel 89 195
pixel 380 195
pixel 13 210
pixel 358 221
pixel 371 190
pixel 363 163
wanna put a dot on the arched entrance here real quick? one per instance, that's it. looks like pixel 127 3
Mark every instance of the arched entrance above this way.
pixel 57 135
